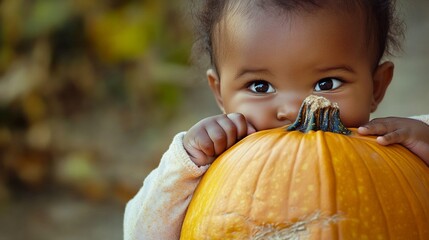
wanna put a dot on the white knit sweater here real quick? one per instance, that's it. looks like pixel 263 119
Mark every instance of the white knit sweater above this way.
pixel 158 209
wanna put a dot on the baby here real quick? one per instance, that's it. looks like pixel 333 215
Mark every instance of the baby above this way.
pixel 266 57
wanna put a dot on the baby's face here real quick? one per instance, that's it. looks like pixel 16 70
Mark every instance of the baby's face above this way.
pixel 268 63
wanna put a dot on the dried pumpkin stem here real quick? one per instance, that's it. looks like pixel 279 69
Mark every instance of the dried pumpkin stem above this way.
pixel 318 113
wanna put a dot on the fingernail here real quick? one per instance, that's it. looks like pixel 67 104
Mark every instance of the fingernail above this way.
pixel 232 114
pixel 362 129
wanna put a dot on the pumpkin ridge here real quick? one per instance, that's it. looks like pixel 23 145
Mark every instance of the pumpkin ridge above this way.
pixel 271 157
pixel 410 190
pixel 259 143
pixel 421 200
pixel 349 164
pixel 293 170
pixel 377 193
pixel 247 215
pixel 326 165
pixel 358 163
pixel 374 190
pixel 400 179
pixel 254 199
pixel 416 173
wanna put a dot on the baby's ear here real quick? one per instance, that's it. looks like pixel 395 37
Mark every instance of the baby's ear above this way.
pixel 214 83
pixel 381 79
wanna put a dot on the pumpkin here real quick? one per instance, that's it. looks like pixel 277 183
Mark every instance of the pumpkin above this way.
pixel 321 182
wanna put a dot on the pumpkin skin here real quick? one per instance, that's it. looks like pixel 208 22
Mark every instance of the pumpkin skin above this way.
pixel 278 184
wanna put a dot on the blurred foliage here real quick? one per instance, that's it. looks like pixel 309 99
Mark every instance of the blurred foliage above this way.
pixel 63 60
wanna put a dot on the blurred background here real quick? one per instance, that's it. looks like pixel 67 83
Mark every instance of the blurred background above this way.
pixel 91 93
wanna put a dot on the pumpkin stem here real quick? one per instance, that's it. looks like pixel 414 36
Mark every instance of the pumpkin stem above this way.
pixel 318 113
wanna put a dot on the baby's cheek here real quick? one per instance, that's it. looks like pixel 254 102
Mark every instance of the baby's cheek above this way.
pixel 354 117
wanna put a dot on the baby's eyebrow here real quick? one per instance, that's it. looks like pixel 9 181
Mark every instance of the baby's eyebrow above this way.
pixel 345 68
pixel 244 71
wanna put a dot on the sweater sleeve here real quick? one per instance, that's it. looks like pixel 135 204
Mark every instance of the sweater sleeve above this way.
pixel 158 209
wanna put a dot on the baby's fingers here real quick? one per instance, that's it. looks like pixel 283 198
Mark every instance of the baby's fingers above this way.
pixel 223 134
pixel 244 128
pixel 390 130
pixel 238 123
pixel 377 126
pixel 397 136
pixel 227 131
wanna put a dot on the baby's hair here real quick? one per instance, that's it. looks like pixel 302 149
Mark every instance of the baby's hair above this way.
pixel 384 29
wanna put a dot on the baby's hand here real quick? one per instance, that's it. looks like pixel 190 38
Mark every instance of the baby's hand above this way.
pixel 411 133
pixel 213 135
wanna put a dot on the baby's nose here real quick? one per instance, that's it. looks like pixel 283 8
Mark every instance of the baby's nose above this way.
pixel 288 111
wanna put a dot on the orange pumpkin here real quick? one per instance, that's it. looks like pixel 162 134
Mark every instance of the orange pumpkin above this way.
pixel 279 184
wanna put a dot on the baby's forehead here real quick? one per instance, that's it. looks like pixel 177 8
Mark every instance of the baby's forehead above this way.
pixel 243 13
pixel 240 13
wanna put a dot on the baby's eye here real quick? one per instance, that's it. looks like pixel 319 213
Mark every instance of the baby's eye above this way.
pixel 326 84
pixel 261 87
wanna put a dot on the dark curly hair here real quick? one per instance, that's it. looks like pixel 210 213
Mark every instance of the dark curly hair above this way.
pixel 385 30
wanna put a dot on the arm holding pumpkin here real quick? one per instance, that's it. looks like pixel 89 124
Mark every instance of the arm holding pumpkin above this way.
pixel 157 210
pixel 412 133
